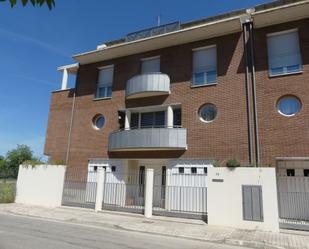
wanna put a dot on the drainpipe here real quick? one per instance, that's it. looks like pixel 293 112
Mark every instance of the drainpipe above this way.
pixel 256 123
pixel 248 91
pixel 71 125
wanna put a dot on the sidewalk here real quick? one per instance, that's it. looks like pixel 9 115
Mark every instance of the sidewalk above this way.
pixel 185 228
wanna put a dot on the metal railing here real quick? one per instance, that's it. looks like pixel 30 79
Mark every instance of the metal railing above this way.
pixel 156 138
pixel 79 189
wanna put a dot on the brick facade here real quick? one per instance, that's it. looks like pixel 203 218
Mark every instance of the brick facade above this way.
pixel 224 138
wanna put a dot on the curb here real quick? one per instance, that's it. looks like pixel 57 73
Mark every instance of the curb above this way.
pixel 252 244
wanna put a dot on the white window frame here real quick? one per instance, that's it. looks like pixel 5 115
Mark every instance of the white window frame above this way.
pixel 148 59
pixel 205 83
pixel 104 85
pixel 295 30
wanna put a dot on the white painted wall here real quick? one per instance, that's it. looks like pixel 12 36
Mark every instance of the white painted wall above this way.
pixel 40 185
pixel 224 202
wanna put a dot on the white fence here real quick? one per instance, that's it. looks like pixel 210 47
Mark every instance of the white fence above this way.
pixel 293 198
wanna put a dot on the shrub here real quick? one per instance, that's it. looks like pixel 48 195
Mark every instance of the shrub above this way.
pixel 216 163
pixel 33 162
pixel 7 192
pixel 59 162
pixel 233 163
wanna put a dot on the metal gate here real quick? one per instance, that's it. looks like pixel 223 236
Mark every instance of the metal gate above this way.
pixel 180 195
pixel 124 192
pixel 293 202
pixel 79 189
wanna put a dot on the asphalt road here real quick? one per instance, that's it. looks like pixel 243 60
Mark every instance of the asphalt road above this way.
pixel 30 233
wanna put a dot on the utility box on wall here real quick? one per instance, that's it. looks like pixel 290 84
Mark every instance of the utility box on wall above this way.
pixel 252 202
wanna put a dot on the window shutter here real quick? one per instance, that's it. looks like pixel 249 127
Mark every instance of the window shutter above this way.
pixel 205 60
pixel 106 76
pixel 283 50
pixel 151 65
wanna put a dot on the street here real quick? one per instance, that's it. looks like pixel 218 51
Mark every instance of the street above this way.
pixel 30 233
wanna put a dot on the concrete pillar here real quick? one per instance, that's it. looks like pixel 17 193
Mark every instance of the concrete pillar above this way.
pixel 170 117
pixel 100 189
pixel 127 120
pixel 148 193
pixel 65 78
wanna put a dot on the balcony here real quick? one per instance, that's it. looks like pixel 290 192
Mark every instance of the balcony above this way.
pixel 146 85
pixel 148 139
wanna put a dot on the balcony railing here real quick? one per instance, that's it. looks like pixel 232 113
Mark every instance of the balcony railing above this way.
pixel 145 85
pixel 148 139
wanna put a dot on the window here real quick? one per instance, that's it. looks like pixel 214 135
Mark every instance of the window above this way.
pixel 204 66
pixel 153 119
pixel 288 106
pixel 163 175
pixel 151 65
pixel 163 181
pixel 193 170
pixel 105 82
pixel 177 117
pixel 284 53
pixel 181 170
pixel 290 172
pixel 306 172
pixel 205 170
pixel 121 119
pixel 113 168
pixel 95 168
pixel 208 113
pixel 134 120
pixel 98 121
pixel 141 180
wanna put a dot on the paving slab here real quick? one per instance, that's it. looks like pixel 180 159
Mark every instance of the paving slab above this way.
pixel 176 227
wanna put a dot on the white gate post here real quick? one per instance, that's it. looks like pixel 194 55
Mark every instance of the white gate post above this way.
pixel 100 189
pixel 148 193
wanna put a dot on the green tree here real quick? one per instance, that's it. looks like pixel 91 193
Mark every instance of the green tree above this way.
pixel 50 3
pixel 2 167
pixel 16 157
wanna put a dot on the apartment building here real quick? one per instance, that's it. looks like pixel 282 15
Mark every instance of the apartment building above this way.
pixel 183 96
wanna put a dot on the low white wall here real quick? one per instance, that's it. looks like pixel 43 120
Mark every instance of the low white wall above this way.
pixel 40 185
pixel 224 197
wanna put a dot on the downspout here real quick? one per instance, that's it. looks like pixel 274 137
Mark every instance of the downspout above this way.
pixel 256 123
pixel 248 99
pixel 70 127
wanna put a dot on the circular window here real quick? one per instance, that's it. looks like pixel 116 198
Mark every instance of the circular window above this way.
pixel 288 106
pixel 208 112
pixel 98 121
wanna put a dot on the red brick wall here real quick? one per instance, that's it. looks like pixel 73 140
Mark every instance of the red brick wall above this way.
pixel 226 137
pixel 59 117
pixel 282 136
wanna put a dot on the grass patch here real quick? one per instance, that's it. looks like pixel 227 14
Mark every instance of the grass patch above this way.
pixel 7 191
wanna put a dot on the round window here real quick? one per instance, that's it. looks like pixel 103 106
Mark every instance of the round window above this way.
pixel 208 112
pixel 288 106
pixel 98 121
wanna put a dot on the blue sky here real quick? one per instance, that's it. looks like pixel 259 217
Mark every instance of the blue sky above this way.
pixel 35 41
